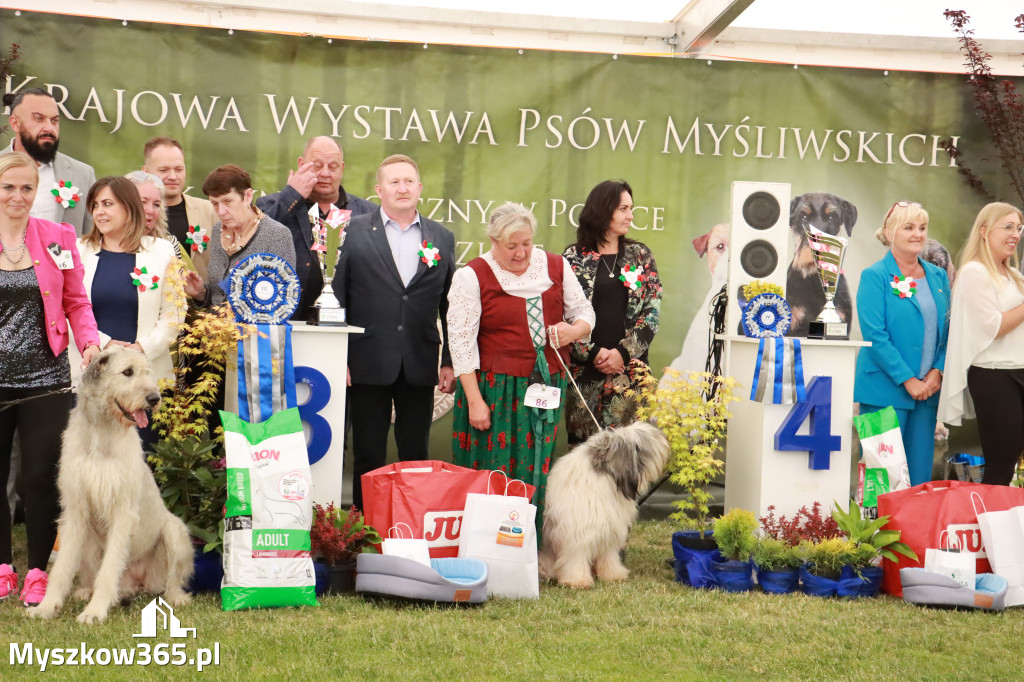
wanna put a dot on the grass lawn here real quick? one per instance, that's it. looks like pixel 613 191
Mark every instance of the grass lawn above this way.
pixel 647 628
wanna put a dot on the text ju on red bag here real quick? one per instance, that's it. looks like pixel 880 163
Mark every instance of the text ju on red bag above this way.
pixel 923 512
pixel 429 496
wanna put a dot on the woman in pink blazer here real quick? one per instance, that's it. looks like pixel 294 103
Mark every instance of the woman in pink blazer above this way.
pixel 41 291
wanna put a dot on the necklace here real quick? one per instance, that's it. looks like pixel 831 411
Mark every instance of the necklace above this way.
pixel 19 249
pixel 239 239
pixel 611 273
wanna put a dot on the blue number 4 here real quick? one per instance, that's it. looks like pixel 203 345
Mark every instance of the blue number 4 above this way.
pixel 820 441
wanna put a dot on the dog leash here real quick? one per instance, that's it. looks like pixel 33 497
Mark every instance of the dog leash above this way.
pixel 7 404
pixel 554 331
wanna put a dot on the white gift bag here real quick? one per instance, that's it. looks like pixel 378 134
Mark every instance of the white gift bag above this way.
pixel 500 530
pixel 951 562
pixel 1002 535
pixel 406 547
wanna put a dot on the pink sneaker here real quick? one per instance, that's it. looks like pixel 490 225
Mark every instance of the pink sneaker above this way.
pixel 8 581
pixel 35 587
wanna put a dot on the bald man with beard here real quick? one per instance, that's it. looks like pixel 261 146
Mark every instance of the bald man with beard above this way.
pixel 315 181
pixel 35 122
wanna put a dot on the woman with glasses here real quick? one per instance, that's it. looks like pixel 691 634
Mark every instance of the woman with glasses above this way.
pixel 903 310
pixel 985 364
pixel 151 189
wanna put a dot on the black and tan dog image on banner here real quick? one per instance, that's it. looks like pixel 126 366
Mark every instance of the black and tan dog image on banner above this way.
pixel 832 215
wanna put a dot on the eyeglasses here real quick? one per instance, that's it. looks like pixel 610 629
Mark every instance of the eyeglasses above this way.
pixel 899 204
pixel 1013 226
pixel 143 176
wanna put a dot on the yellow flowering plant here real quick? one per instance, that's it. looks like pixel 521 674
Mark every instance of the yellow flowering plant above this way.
pixel 188 460
pixel 692 411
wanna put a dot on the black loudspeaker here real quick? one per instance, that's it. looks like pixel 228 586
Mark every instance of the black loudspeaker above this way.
pixel 759 242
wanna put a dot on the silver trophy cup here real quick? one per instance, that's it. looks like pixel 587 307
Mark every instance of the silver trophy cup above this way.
pixel 828 251
pixel 328 238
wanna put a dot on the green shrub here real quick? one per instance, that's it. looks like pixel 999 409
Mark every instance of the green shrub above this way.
pixel 775 555
pixel 734 533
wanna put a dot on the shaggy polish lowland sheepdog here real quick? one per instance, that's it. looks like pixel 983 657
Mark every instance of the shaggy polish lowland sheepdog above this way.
pixel 591 502
pixel 115 531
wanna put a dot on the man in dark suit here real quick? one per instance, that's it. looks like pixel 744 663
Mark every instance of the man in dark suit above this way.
pixel 35 122
pixel 393 277
pixel 316 181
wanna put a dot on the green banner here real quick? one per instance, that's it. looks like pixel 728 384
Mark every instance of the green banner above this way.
pixel 488 125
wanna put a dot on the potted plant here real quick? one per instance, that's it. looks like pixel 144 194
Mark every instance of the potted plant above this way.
pixel 691 410
pixel 778 565
pixel 863 570
pixel 734 533
pixel 336 536
pixel 823 564
pixel 188 460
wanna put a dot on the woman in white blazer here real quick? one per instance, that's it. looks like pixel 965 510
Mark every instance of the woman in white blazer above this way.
pixel 126 276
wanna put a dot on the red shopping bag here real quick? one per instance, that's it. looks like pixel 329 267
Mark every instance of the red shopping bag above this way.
pixel 923 512
pixel 430 496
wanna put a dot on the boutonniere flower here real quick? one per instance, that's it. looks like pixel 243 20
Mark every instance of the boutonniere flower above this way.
pixel 631 277
pixel 904 287
pixel 197 239
pixel 143 280
pixel 429 255
pixel 66 194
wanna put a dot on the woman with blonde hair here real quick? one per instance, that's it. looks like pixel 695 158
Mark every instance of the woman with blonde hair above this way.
pixel 984 373
pixel 41 297
pixel 903 310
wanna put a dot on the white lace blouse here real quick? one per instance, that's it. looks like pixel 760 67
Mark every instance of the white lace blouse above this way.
pixel 464 308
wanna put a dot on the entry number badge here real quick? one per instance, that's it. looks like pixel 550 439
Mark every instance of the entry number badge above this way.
pixel 62 257
pixel 543 397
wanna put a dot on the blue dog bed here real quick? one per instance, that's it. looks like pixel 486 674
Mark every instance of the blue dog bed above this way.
pixel 446 580
pixel 932 589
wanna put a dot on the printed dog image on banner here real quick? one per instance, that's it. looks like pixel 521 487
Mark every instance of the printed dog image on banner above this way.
pixel 715 246
pixel 115 531
pixel 806 297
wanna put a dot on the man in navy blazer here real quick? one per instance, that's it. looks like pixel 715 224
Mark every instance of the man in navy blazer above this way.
pixel 393 277
pixel 315 181
pixel 35 122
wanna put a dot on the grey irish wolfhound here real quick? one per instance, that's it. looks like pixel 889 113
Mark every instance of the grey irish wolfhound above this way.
pixel 115 531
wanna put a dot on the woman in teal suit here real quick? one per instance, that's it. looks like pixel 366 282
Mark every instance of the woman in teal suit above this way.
pixel 903 310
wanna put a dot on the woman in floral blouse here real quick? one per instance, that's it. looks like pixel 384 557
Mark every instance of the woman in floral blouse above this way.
pixel 509 312
pixel 620 278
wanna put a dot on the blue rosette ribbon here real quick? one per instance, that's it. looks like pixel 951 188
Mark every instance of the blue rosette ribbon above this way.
pixel 263 290
pixel 779 367
pixel 766 315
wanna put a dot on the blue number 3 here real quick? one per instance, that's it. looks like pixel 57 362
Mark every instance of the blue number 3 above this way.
pixel 820 441
pixel 320 434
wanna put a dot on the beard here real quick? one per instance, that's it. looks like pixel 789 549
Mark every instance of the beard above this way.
pixel 41 152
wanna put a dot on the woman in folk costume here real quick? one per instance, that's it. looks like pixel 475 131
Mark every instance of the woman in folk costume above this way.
pixel 510 311
pixel 620 278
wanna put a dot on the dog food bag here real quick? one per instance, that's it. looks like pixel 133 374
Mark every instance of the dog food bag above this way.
pixel 267 558
pixel 883 456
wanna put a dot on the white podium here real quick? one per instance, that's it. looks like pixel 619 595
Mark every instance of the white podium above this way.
pixel 756 474
pixel 320 356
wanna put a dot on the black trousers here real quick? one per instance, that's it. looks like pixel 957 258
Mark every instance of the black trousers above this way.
pixel 40 422
pixel 370 413
pixel 998 396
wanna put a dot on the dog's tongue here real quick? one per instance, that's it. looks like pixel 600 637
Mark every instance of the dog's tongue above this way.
pixel 141 418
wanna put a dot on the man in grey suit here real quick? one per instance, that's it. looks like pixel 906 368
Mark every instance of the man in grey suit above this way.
pixel 393 277
pixel 316 180
pixel 35 122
